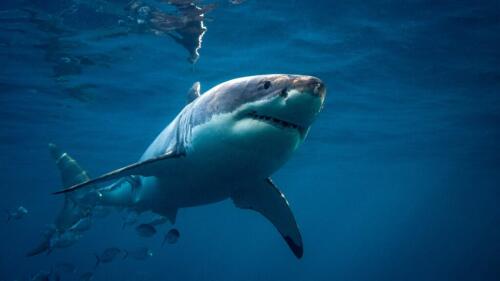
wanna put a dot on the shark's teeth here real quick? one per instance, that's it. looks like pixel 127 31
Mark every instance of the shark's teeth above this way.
pixel 273 120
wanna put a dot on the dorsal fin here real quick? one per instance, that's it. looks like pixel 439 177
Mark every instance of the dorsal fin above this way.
pixel 194 92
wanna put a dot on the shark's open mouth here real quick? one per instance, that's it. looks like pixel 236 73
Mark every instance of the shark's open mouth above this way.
pixel 275 121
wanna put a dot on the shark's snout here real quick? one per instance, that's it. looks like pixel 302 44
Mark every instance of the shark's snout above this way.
pixel 310 85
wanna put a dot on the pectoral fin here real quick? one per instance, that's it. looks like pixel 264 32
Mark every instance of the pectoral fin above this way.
pixel 266 199
pixel 144 168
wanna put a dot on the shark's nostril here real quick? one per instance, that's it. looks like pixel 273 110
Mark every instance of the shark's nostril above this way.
pixel 319 89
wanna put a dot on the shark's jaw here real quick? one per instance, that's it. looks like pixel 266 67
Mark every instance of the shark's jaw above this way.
pixel 279 123
pixel 289 116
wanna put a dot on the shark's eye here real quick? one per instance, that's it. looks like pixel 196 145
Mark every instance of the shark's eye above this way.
pixel 284 93
pixel 267 84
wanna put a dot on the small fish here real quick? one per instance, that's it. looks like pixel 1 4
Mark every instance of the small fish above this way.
pixel 41 276
pixel 130 219
pixel 82 225
pixel 141 253
pixel 145 230
pixel 107 255
pixel 171 237
pixel 87 276
pixel 63 239
pixel 65 267
pixel 17 214
pixel 46 276
pixel 158 220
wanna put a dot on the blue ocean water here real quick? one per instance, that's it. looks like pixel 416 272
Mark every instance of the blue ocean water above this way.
pixel 397 180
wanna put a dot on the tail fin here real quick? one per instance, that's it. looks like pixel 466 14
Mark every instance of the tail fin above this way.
pixel 71 212
pixel 44 245
pixel 41 248
pixel 71 173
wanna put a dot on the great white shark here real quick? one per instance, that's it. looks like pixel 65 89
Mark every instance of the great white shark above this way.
pixel 224 144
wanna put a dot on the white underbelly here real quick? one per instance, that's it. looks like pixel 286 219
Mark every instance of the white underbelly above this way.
pixel 221 158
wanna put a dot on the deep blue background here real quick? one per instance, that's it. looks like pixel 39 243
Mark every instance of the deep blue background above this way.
pixel 398 180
